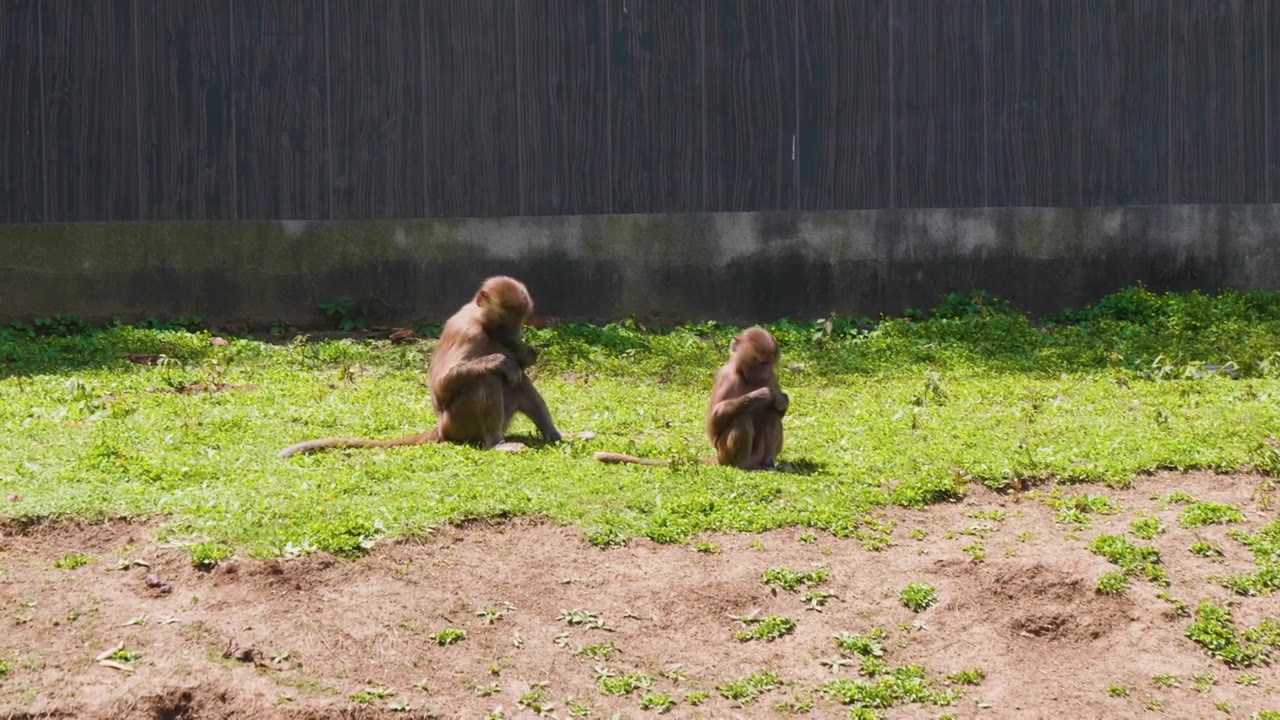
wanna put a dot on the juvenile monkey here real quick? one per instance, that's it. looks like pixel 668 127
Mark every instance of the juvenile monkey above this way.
pixel 476 376
pixel 744 417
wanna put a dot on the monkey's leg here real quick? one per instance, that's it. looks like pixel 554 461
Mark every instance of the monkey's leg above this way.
pixel 476 414
pixel 524 398
pixel 471 371
pixel 768 439
pixel 727 412
pixel 733 446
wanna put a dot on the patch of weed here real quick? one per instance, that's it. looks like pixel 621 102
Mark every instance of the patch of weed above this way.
pixel 1202 683
pixel 1215 631
pixel 612 682
pixel 895 686
pixel 1146 528
pixel 696 698
pixel 1133 559
pixel 207 555
pixel 792 580
pixel 768 629
pixel 1264 545
pixel 869 645
pixel 973 676
pixel 745 690
pixel 599 651
pixel 72 561
pixel 449 636
pixel 1200 514
pixel 1118 691
pixel 1112 583
pixel 707 547
pixel 976 552
pixel 1206 550
pixel 796 705
pixel 1166 680
pixel 661 703
pixel 918 597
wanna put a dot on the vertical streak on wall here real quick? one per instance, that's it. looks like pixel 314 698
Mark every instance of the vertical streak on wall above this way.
pixel 44 103
pixel 795 131
pixel 893 116
pixel 232 84
pixel 520 170
pixel 1080 61
pixel 608 106
pixel 423 104
pixel 135 60
pixel 702 69
pixel 984 11
pixel 328 108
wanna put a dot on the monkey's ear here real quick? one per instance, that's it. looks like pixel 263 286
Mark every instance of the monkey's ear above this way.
pixel 482 297
pixel 733 345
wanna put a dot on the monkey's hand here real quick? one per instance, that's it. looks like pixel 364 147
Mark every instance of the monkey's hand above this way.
pixel 760 395
pixel 526 355
pixel 781 402
pixel 511 370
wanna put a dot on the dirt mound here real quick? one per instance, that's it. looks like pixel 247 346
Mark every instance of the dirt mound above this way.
pixel 524 615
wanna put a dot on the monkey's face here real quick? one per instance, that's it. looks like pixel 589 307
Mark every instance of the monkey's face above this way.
pixel 754 355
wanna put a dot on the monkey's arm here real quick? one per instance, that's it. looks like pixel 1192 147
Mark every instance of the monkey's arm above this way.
pixel 725 412
pixel 469 370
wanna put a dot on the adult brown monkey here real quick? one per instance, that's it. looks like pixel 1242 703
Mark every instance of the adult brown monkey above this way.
pixel 476 376
pixel 744 417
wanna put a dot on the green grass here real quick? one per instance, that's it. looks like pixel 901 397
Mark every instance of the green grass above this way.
pixel 903 411
pixel 1265 547
pixel 1133 559
pixel 1215 631
pixel 746 689
pixel 918 597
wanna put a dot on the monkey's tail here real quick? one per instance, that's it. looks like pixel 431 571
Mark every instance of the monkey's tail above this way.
pixel 609 457
pixel 430 436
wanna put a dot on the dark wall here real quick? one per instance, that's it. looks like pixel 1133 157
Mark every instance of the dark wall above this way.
pixel 353 109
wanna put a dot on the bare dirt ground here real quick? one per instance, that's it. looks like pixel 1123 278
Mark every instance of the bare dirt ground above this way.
pixel 307 634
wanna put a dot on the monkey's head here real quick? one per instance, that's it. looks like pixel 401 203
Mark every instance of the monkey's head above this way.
pixel 753 353
pixel 504 304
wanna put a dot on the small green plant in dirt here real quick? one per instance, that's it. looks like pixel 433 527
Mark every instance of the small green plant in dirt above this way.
pixel 449 636
pixel 768 629
pixel 696 698
pixel 1177 497
pixel 792 580
pixel 795 705
pixel 1202 683
pixel 536 700
pixel 817 599
pixel 1112 583
pixel 918 597
pixel 493 615
pixel 1223 706
pixel 1200 514
pixel 976 552
pixel 1264 545
pixel 1206 550
pixel 895 686
pixel 612 682
pixel 1147 527
pixel 599 651
pixel 1118 691
pixel 995 514
pixel 1176 606
pixel 584 618
pixel 918 534
pixel 1248 680
pixel 577 708
pixel 870 645
pixel 1075 510
pixel 1266 715
pixel 708 548
pixel 745 690
pixel 1133 559
pixel 1166 680
pixel 125 655
pixel 808 538
pixel 1153 705
pixel 662 703
pixel 4 667
pixel 207 555
pixel 973 676
pixel 72 561
pixel 1215 631
pixel 369 695
pixel 488 689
